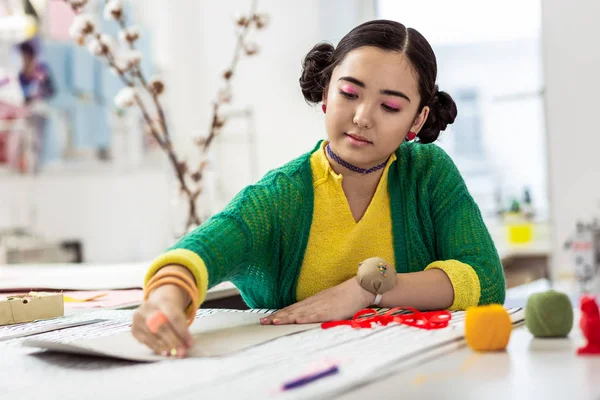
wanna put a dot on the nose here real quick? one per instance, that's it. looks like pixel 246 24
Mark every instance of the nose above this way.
pixel 363 117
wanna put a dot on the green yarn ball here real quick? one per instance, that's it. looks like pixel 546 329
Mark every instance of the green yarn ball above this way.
pixel 549 314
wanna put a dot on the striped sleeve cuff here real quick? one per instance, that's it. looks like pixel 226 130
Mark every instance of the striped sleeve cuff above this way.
pixel 465 283
pixel 187 259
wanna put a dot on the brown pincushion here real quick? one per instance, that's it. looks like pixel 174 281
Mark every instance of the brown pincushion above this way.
pixel 376 275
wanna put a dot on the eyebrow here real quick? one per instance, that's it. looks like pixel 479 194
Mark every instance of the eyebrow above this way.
pixel 383 91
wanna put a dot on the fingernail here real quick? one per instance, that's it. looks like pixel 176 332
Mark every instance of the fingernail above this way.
pixel 263 320
pixel 276 320
pixel 164 353
pixel 181 352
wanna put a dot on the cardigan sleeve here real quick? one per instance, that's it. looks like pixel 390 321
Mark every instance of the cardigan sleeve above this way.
pixel 222 248
pixel 463 244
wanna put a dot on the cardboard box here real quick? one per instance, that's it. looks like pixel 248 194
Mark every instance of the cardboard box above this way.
pixel 31 307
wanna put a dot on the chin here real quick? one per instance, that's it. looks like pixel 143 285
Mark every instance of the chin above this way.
pixel 354 156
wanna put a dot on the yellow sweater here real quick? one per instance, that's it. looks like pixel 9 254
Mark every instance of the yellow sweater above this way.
pixel 337 243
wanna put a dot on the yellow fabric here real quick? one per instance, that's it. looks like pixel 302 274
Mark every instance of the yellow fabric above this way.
pixel 337 243
pixel 187 259
pixel 464 281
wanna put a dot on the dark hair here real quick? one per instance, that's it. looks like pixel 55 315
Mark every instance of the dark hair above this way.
pixel 27 48
pixel 390 36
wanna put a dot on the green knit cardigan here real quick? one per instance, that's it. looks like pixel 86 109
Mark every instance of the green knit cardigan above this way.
pixel 259 240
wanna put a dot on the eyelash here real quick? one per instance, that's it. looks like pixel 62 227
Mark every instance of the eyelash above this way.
pixel 351 96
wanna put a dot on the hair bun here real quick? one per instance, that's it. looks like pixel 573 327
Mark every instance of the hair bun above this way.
pixel 442 112
pixel 312 80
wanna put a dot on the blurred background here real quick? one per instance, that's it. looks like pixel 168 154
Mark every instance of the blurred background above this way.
pixel 83 180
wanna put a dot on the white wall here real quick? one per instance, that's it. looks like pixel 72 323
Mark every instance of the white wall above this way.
pixel 571 64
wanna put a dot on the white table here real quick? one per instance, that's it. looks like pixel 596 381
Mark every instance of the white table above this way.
pixel 529 369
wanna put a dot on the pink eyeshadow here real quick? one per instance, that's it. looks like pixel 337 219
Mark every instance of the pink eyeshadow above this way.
pixel 349 89
pixel 393 104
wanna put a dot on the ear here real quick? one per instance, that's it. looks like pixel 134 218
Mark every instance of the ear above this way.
pixel 324 97
pixel 420 120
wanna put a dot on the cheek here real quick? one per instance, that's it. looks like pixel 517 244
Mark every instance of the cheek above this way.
pixel 340 106
pixel 338 99
pixel 395 129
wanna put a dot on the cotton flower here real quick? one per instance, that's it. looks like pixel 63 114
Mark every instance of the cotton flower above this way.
pixel 127 60
pixel 225 94
pixel 82 26
pixel 241 20
pixel 125 98
pixel 108 41
pixel 156 86
pixel 130 34
pixel 251 48
pixel 132 58
pixel 261 20
pixel 101 46
pixel 182 167
pixel 95 47
pixel 219 122
pixel 113 10
pixel 196 176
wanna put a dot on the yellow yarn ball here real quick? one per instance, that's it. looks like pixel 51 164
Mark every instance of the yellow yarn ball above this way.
pixel 487 328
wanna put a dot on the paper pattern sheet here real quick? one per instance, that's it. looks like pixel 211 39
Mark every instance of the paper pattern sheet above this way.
pixel 61 324
pixel 254 373
pixel 219 334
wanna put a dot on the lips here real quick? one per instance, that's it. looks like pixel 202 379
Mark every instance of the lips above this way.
pixel 358 137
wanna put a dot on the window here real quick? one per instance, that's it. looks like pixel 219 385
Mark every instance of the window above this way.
pixel 489 60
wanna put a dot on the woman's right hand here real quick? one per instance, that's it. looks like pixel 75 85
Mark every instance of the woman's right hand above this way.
pixel 172 338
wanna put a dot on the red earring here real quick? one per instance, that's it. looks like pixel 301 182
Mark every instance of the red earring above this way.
pixel 324 108
pixel 411 136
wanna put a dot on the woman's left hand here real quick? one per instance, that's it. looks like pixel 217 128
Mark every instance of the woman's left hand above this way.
pixel 339 302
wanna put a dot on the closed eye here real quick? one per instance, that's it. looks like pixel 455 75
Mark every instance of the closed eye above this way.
pixel 353 96
pixel 389 109
pixel 348 95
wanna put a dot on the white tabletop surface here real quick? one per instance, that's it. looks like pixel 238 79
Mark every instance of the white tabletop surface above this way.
pixel 529 369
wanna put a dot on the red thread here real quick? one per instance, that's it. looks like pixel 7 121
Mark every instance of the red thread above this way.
pixel 324 108
pixel 423 320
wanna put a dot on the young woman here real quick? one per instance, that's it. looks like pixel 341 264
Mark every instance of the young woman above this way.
pixel 376 188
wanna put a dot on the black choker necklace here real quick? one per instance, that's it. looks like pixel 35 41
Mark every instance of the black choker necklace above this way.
pixel 351 167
